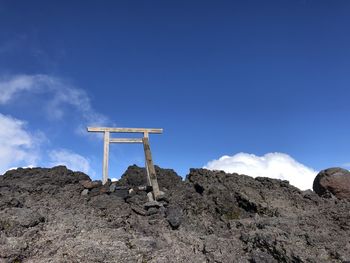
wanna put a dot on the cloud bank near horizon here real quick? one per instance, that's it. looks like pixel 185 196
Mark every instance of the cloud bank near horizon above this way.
pixel 274 165
pixel 72 160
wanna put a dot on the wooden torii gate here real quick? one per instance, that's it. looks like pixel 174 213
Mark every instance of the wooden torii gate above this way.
pixel 151 172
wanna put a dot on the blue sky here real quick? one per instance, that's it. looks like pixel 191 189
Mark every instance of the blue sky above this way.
pixel 221 78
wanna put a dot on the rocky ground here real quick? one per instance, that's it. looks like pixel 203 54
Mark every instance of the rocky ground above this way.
pixel 56 215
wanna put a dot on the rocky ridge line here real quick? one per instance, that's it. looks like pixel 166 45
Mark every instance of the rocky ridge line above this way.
pixel 56 215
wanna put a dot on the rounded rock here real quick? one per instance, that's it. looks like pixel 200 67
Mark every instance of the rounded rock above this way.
pixel 334 181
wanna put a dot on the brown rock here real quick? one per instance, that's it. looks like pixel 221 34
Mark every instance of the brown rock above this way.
pixel 333 180
pixel 90 184
pixel 104 189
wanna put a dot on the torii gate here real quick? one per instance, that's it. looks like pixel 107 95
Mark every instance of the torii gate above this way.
pixel 151 172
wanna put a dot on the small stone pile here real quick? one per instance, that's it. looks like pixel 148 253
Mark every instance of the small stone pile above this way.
pixel 94 188
pixel 133 190
pixel 144 205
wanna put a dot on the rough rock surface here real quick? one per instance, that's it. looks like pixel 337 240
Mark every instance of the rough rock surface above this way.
pixel 134 176
pixel 333 181
pixel 209 217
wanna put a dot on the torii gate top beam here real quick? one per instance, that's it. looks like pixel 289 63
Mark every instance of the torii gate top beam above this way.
pixel 126 130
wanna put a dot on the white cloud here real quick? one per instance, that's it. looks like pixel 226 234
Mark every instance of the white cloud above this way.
pixel 18 147
pixel 72 160
pixel 60 95
pixel 62 101
pixel 273 165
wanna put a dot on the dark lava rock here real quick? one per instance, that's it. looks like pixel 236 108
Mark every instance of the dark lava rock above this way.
pixel 209 217
pixel 88 184
pixel 335 181
pixel 136 176
pixel 174 216
pixel 41 179
pixel 151 204
pixel 123 193
pixel 133 176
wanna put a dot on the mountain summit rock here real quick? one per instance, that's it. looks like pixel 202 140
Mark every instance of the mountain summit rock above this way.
pixel 55 215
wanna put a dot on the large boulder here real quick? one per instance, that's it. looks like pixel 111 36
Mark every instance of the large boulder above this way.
pixel 334 181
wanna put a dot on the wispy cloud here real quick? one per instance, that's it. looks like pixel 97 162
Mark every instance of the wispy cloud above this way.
pixel 18 147
pixel 62 101
pixel 273 165
pixel 60 94
pixel 73 161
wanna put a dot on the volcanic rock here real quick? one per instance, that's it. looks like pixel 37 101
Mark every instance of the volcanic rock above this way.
pixel 334 181
pixel 211 216
pixel 151 204
pixel 85 192
pixel 174 216
pixel 88 184
pixel 112 188
pixel 136 176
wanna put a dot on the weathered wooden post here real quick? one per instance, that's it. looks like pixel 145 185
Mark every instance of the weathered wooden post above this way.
pixel 105 156
pixel 151 173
